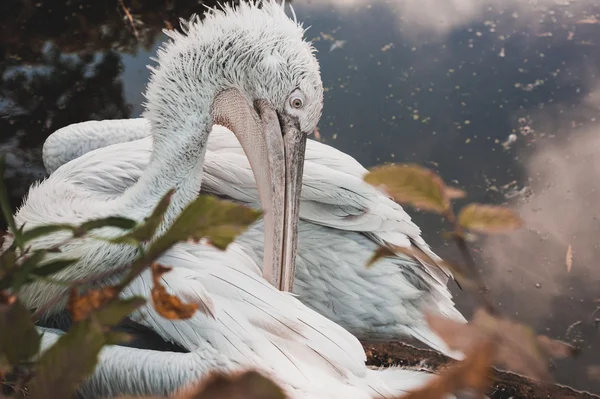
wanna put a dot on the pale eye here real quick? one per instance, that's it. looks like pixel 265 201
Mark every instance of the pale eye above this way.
pixel 296 102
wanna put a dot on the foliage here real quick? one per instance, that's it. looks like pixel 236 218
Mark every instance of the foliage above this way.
pixel 94 311
pixel 490 338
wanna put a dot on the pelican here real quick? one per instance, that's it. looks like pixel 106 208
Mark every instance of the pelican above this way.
pixel 250 70
pixel 343 220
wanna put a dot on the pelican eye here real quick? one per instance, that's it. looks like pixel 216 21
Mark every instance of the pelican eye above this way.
pixel 296 102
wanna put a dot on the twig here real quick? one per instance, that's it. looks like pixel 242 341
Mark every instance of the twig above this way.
pixel 130 18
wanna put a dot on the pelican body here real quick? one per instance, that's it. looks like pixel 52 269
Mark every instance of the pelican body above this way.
pixel 249 70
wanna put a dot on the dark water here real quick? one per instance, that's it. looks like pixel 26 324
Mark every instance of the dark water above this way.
pixel 443 83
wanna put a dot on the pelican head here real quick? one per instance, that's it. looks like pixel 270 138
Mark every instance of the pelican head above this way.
pixel 250 70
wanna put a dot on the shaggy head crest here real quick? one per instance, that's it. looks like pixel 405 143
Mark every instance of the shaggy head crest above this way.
pixel 255 48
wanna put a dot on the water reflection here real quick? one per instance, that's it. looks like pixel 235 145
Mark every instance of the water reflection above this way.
pixel 502 97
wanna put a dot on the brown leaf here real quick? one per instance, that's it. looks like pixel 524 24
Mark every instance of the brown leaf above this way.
pixel 80 306
pixel 473 374
pixel 569 258
pixel 555 348
pixel 381 252
pixel 411 184
pixel 247 385
pixel 167 305
pixel 489 218
pixel 593 372
pixel 517 346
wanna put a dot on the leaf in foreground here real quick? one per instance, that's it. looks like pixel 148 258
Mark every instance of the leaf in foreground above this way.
pixel 517 346
pixel 19 340
pixel 473 373
pixel 80 306
pixel 411 184
pixel 167 305
pixel 489 218
pixel 69 361
pixel 248 385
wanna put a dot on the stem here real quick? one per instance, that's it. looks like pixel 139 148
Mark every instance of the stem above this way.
pixel 483 291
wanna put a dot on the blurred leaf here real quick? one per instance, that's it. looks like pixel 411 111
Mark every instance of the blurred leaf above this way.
pixel 112 221
pixel 21 274
pixel 115 311
pixel 381 252
pixel 167 305
pixel 472 374
pixel 489 218
pixel 517 346
pixel 208 217
pixel 69 361
pixel 19 340
pixel 80 306
pixel 248 385
pixel 569 258
pixel 8 261
pixel 52 267
pixel 5 205
pixel 454 193
pixel 43 230
pixel 411 184
pixel 593 372
pixel 146 230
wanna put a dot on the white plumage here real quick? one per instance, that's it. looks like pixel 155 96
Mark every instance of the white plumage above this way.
pixel 232 58
pixel 343 220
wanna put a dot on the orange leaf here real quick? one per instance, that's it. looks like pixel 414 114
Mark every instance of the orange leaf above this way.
pixel 167 305
pixel 80 306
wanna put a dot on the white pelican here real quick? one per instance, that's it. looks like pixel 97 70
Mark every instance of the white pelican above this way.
pixel 215 73
pixel 343 220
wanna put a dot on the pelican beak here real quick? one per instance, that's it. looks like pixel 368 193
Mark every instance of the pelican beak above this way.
pixel 274 145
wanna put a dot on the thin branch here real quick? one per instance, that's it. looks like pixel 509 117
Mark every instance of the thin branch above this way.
pixel 130 18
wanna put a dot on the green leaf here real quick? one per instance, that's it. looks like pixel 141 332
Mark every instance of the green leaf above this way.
pixel 19 340
pixel 146 230
pixel 489 218
pixel 53 267
pixel 411 184
pixel 21 275
pixel 40 231
pixel 68 362
pixel 115 311
pixel 205 217
pixel 208 217
pixel 112 221
pixel 5 205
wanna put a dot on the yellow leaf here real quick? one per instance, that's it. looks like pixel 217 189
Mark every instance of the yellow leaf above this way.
pixel 569 258
pixel 411 184
pixel 489 218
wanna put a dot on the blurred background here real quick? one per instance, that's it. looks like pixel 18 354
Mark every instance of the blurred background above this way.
pixel 501 97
